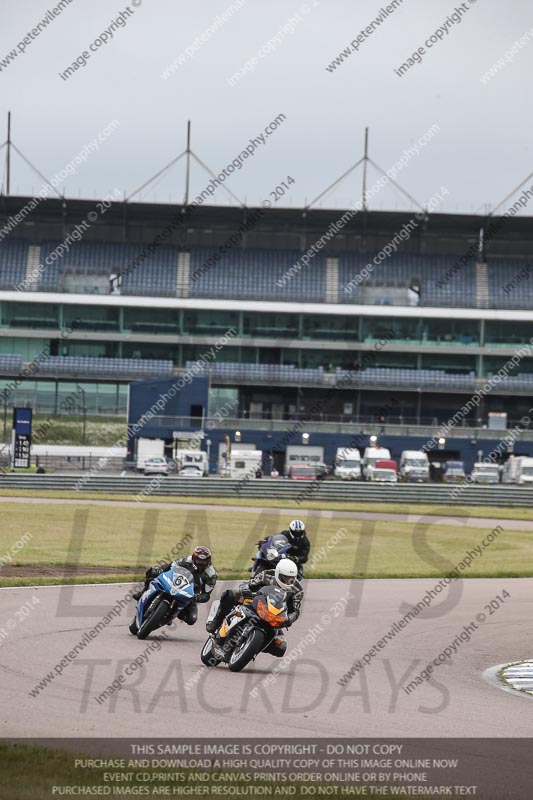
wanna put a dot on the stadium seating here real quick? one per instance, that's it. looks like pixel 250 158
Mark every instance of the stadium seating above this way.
pixel 257 275
pixel 11 364
pixel 144 274
pixel 261 274
pixel 13 260
pixel 400 269
pixel 85 365
pixel 523 382
pixel 284 373
pixel 392 376
pixel 510 283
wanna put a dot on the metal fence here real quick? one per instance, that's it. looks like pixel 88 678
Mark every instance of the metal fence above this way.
pixel 298 492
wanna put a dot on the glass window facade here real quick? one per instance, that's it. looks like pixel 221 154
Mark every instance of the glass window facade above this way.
pixel 91 318
pixel 392 329
pixel 331 340
pixel 268 325
pixel 209 323
pixel 502 332
pixel 45 397
pixel 167 321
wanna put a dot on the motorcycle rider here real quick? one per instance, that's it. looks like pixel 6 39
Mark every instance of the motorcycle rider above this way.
pixel 200 565
pixel 285 575
pixel 300 544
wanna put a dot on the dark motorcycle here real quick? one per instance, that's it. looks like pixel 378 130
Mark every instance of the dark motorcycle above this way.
pixel 271 551
pixel 247 630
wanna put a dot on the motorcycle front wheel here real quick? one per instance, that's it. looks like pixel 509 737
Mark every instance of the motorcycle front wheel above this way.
pixel 156 614
pixel 246 650
pixel 207 655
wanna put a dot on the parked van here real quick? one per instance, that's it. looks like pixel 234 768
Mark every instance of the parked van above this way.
pixel 348 464
pixel 414 466
pixel 485 472
pixel 302 472
pixel 385 471
pixel 192 463
pixel 371 455
pixel 524 472
pixel 454 472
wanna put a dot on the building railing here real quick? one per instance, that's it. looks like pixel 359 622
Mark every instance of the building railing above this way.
pixel 371 425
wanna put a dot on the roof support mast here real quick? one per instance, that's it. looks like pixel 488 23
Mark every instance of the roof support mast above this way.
pixel 365 162
pixel 8 155
pixel 188 168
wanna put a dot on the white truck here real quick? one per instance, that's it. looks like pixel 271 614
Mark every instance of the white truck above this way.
pixel 303 454
pixel 192 463
pixel 414 466
pixel 148 448
pixel 524 472
pixel 370 456
pixel 348 464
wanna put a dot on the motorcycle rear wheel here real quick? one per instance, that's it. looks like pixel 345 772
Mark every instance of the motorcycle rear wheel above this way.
pixel 245 652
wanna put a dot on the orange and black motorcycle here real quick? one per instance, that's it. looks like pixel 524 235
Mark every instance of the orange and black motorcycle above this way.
pixel 249 629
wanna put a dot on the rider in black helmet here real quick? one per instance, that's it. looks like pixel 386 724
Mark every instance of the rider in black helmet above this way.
pixel 205 576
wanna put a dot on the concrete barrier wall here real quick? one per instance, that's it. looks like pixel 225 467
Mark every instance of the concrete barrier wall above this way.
pixel 300 492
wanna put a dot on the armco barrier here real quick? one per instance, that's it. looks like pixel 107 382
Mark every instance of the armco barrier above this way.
pixel 300 492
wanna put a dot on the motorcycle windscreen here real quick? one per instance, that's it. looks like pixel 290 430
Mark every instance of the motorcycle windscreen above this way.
pixel 179 583
pixel 270 605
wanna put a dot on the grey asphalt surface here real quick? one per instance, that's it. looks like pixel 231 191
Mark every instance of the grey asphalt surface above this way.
pixel 471 522
pixel 173 695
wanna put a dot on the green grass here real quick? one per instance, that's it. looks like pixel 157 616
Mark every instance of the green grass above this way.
pixel 30 772
pixel 121 538
pixel 102 431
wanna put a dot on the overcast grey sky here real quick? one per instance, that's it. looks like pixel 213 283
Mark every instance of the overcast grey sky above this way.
pixel 482 150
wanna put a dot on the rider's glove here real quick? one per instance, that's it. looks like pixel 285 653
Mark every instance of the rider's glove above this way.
pixel 153 572
pixel 246 594
pixel 291 619
pixel 202 597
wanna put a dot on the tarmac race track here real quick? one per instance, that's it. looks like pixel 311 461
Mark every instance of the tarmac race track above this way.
pixel 173 695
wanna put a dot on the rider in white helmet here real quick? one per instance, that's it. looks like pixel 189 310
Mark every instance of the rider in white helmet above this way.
pixel 285 575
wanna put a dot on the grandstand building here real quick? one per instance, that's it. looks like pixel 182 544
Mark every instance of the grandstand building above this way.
pixel 147 290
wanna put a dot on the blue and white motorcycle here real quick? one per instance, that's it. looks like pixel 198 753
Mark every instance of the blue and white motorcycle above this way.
pixel 167 595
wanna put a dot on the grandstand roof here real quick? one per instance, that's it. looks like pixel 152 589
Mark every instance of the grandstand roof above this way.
pixel 282 227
